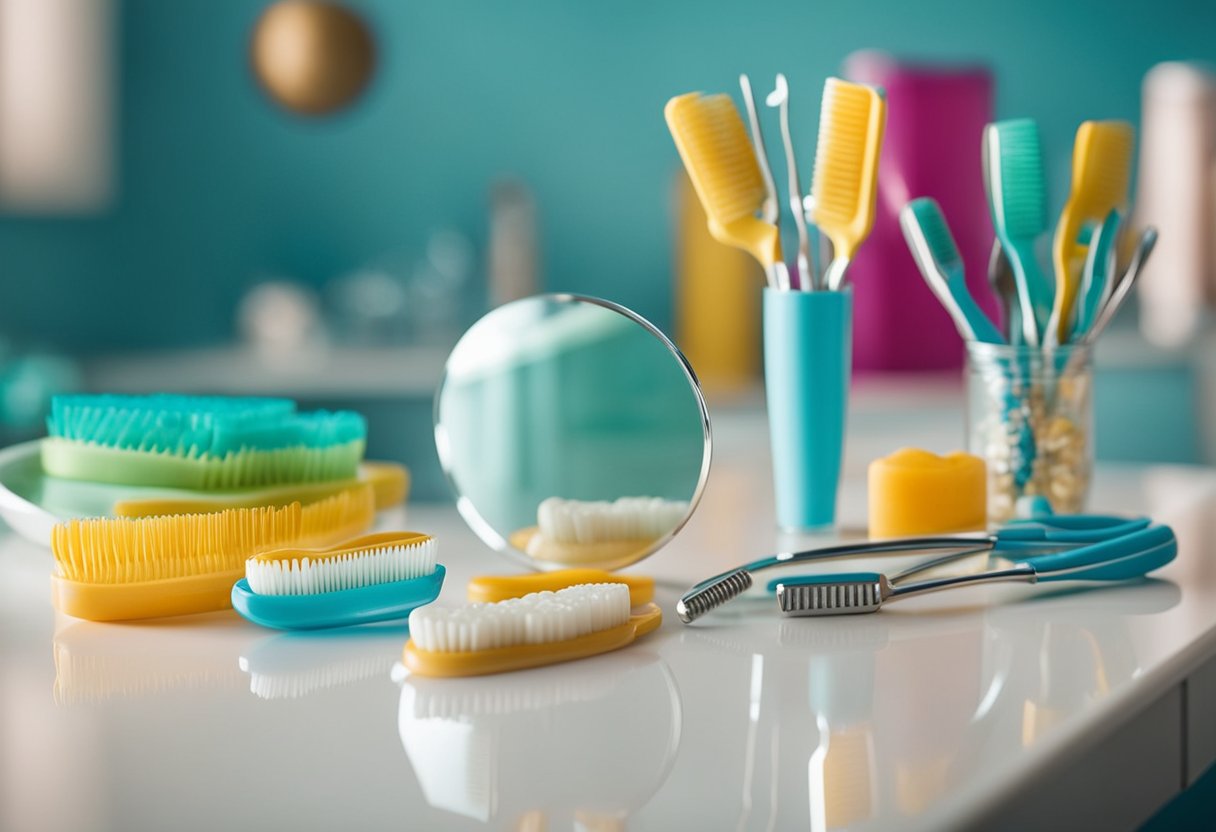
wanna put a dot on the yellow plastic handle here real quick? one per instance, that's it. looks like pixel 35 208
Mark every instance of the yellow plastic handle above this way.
pixel 490 588
pixel 147 599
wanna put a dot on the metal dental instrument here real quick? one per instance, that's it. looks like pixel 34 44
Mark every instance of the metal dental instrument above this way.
pixel 780 98
pixel 1020 537
pixel 1118 559
pixel 770 211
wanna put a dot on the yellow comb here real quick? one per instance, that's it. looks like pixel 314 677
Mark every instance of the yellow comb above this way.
pixel 844 187
pixel 126 568
pixel 390 484
pixel 486 589
pixel 1101 172
pixel 719 157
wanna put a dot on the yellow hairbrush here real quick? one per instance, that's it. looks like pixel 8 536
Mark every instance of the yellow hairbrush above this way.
pixel 721 161
pixel 115 569
pixel 844 187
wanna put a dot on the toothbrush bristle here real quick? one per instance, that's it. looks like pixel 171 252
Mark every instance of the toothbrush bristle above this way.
pixel 302 573
pixel 538 618
pixel 627 518
pixel 719 157
pixel 1103 182
pixel 936 233
pixel 1020 197
pixel 843 185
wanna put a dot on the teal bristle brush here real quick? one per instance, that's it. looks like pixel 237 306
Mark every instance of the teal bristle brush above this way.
pixel 936 254
pixel 1017 199
pixel 198 442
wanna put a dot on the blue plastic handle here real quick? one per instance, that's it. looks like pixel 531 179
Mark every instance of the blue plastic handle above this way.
pixel 1111 560
pixel 1070 528
pixel 342 608
pixel 1095 278
pixel 1136 566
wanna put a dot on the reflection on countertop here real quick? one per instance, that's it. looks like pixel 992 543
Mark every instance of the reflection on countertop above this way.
pixel 546 748
pixel 294 664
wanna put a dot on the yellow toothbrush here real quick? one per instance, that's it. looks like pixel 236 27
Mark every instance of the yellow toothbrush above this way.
pixel 720 160
pixel 1101 171
pixel 845 184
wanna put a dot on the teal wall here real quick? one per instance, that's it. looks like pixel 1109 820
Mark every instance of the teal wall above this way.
pixel 218 187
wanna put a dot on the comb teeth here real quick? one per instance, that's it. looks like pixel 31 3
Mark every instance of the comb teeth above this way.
pixel 830 598
pixel 700 601
pixel 1102 183
pixel 1020 196
pixel 936 233
pixel 129 550
pixel 718 154
pixel 839 185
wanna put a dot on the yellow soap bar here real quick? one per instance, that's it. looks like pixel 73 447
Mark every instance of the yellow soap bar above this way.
pixel 915 492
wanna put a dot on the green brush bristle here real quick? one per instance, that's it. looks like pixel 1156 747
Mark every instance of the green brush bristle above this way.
pixel 1020 201
pixel 937 234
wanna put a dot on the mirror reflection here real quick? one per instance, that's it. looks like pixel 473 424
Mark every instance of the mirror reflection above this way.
pixel 572 432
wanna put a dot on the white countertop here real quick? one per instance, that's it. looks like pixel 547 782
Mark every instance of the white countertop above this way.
pixel 928 715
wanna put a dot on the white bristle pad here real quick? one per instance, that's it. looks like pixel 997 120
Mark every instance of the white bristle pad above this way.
pixel 306 576
pixel 629 518
pixel 538 618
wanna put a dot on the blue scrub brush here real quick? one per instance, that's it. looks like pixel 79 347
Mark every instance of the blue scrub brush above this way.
pixel 377 577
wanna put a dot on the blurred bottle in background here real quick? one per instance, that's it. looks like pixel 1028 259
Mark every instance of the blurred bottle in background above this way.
pixel 514 259
pixel 1177 194
pixel 935 124
pixel 28 380
pixel 717 314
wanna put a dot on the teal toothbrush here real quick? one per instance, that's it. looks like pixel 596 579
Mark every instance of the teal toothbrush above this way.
pixel 937 255
pixel 1096 277
pixel 1017 198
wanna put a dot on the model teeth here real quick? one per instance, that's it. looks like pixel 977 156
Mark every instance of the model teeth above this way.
pixel 629 518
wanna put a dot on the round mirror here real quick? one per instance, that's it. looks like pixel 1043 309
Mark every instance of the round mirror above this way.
pixel 573 433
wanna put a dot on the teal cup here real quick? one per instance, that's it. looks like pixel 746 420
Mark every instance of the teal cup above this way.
pixel 807 361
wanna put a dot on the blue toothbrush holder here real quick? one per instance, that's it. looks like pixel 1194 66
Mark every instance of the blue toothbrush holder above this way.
pixel 808 339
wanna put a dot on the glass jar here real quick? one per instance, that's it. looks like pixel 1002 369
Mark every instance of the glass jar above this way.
pixel 1030 418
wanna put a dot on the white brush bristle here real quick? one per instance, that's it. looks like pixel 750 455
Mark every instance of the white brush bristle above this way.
pixel 306 576
pixel 539 618
pixel 629 518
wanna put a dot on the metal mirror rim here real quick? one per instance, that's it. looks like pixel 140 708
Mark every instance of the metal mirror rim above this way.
pixel 468 512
